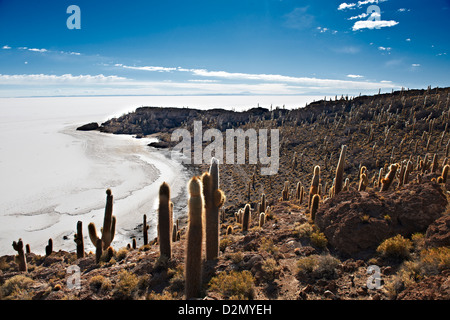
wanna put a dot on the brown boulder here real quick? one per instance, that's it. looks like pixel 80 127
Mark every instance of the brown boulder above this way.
pixel 355 223
pixel 438 233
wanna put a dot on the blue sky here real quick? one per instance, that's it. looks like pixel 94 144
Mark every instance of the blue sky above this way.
pixel 201 47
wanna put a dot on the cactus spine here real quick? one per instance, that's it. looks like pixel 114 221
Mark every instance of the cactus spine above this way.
pixel 214 199
pixel 22 261
pixel 165 223
pixel 78 238
pixel 193 267
pixel 340 171
pixel 109 224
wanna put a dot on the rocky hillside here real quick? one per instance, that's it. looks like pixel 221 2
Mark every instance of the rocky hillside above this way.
pixel 385 235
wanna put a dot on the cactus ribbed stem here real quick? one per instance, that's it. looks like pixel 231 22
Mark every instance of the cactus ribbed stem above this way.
pixel 165 224
pixel 193 267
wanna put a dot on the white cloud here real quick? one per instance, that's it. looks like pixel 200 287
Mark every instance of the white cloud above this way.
pixel 376 24
pixel 361 16
pixel 37 50
pixel 408 40
pixel 6 47
pixel 415 65
pixel 147 68
pixel 344 6
pixel 354 76
pixel 55 79
pixel 384 48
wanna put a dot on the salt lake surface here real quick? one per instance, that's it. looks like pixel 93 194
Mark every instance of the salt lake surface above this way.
pixel 53 176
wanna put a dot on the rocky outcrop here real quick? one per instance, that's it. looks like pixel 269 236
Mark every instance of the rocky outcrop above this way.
pixel 438 233
pixel 89 127
pixel 355 223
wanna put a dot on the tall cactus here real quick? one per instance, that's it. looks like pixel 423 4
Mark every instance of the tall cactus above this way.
pixel 145 228
pixel 165 223
pixel 246 218
pixel 78 238
pixel 387 181
pixel 314 185
pixel 49 247
pixel 21 259
pixel 193 267
pixel 214 199
pixel 444 174
pixel 314 206
pixel 340 171
pixel 109 224
pixel 285 191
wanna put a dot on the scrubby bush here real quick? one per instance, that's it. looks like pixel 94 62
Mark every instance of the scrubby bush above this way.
pixel 395 247
pixel 15 288
pixel 234 285
pixel 318 266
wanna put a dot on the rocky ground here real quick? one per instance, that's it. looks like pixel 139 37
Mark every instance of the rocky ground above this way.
pixel 363 243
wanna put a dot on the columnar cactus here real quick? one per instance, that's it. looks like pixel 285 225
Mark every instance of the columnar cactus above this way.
pixel 193 267
pixel 49 247
pixel 98 250
pixel 263 203
pixel 387 180
pixel 78 238
pixel 314 206
pixel 214 199
pixel 145 228
pixel 262 219
pixel 165 223
pixel 21 259
pixel 285 191
pixel 340 171
pixel 314 185
pixel 246 218
pixel 445 173
pixel 109 224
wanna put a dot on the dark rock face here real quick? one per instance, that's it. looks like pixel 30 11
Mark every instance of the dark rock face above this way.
pixel 438 233
pixel 355 223
pixel 89 127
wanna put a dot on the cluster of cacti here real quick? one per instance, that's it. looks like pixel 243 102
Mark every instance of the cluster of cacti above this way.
pixel 165 224
pixel 109 225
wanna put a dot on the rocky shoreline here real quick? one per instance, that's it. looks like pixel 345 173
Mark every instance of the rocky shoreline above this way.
pixel 298 253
